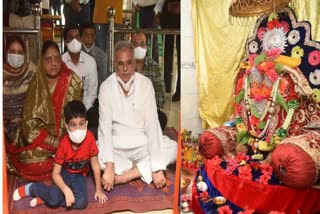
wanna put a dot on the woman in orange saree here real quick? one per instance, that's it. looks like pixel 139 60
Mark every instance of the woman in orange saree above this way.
pixel 30 155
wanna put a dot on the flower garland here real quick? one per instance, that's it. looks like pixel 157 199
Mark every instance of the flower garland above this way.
pixel 257 135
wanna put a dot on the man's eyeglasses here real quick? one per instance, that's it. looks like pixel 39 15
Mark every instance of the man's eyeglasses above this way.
pixel 121 65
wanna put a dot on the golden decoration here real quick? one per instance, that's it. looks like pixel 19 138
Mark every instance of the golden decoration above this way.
pixel 250 8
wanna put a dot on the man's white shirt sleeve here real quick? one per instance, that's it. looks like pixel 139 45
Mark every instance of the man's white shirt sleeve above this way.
pixel 105 124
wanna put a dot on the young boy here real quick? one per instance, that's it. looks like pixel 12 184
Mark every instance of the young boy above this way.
pixel 75 151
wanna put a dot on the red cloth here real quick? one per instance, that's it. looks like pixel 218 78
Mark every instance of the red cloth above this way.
pixel 76 161
pixel 264 198
pixel 59 94
pixel 293 166
pixel 42 170
pixel 27 171
pixel 195 205
pixel 210 145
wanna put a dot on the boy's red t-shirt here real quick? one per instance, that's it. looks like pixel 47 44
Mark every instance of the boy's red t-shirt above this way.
pixel 76 161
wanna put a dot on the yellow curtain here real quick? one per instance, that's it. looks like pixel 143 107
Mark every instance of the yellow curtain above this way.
pixel 309 11
pixel 219 47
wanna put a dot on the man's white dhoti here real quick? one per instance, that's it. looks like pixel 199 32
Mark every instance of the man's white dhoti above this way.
pixel 134 154
pixel 129 131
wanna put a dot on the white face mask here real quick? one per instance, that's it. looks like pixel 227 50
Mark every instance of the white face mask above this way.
pixel 139 52
pixel 78 135
pixel 89 49
pixel 126 86
pixel 74 46
pixel 15 60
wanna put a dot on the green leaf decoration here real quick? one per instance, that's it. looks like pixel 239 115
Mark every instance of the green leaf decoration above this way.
pixel 261 125
pixel 281 132
pixel 271 140
pixel 293 104
pixel 241 135
pixel 279 68
pixel 254 112
pixel 280 101
pixel 239 120
pixel 245 139
pixel 260 58
pixel 240 96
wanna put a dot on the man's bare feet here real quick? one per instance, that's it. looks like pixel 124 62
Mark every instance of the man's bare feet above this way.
pixel 128 176
pixel 120 179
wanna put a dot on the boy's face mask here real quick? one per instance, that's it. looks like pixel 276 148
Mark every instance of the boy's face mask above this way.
pixel 78 135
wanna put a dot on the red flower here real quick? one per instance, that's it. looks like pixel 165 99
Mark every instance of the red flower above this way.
pixel 231 168
pixel 266 169
pixel 251 59
pixel 254 165
pixel 239 85
pixel 264 179
pixel 314 58
pixel 276 212
pixel 261 32
pixel 266 66
pixel 242 156
pixel 259 97
pixel 272 75
pixel 254 121
pixel 285 26
pixel 215 162
pixel 273 53
pixel 246 211
pixel 245 172
pixel 224 210
pixel 185 197
pixel 273 24
pixel 238 109
pixel 204 196
pixel 268 139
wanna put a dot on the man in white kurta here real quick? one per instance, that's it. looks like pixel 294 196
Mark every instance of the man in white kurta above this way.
pixel 130 139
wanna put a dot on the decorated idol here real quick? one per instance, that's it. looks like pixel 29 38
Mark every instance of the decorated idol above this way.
pixel 273 149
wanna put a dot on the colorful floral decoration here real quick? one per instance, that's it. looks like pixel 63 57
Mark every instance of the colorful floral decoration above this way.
pixel 314 77
pixel 275 38
pixel 185 203
pixel 297 52
pixel 314 58
pixel 253 47
pixel 316 95
pixel 285 26
pixel 256 89
pixel 224 210
pixel 278 81
pixel 190 157
pixel 246 211
pixel 284 32
pixel 276 212
pixel 294 37
pixel 261 32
